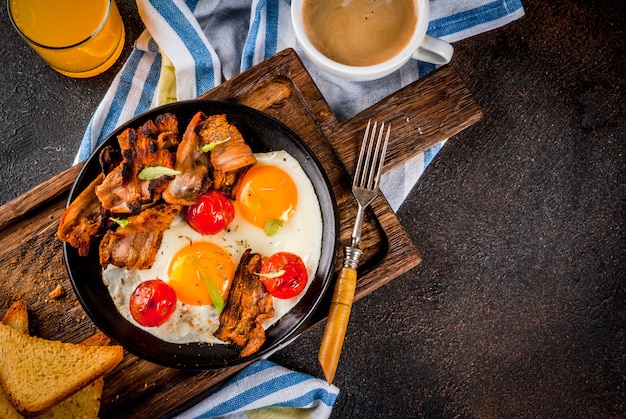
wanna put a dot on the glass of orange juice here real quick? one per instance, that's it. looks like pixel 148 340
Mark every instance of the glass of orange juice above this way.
pixel 77 38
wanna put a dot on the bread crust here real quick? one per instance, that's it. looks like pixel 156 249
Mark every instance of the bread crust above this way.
pixel 72 374
pixel 17 316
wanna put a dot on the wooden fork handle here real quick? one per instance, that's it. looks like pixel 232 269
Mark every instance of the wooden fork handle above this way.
pixel 337 322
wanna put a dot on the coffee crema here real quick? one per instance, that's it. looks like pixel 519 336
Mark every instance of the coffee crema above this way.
pixel 359 32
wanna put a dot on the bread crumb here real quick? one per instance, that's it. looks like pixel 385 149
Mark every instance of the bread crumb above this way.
pixel 57 293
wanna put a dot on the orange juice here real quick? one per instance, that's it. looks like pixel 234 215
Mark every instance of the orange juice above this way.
pixel 78 38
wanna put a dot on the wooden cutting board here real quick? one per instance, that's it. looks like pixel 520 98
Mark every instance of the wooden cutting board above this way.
pixel 31 259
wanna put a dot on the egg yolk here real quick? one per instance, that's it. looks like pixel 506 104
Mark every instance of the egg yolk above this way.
pixel 266 193
pixel 194 265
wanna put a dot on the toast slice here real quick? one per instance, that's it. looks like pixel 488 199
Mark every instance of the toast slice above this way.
pixel 36 374
pixel 17 316
pixel 85 404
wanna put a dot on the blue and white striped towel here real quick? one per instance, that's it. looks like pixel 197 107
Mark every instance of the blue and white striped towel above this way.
pixel 264 389
pixel 190 46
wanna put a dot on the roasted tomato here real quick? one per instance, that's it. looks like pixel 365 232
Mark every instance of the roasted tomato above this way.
pixel 211 213
pixel 284 275
pixel 152 302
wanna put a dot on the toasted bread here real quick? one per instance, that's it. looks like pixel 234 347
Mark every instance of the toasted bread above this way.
pixel 99 339
pixel 85 404
pixel 17 316
pixel 37 374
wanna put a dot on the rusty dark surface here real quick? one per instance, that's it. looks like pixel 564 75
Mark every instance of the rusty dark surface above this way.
pixel 519 306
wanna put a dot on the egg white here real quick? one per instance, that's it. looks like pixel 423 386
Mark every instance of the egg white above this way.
pixel 301 235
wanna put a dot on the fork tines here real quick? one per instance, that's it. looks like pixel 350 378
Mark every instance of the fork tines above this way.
pixel 367 174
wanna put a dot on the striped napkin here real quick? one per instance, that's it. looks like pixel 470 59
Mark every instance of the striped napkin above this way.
pixel 266 390
pixel 191 46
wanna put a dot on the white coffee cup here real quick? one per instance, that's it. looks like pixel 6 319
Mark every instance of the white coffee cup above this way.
pixel 419 47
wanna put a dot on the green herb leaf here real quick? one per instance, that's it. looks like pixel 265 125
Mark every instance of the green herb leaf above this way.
pixel 155 172
pixel 210 146
pixel 120 221
pixel 214 292
pixel 271 275
pixel 272 227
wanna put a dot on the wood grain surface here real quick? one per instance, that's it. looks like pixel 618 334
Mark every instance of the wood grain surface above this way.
pixel 31 259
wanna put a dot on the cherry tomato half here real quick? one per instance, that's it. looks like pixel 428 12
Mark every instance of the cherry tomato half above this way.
pixel 211 213
pixel 291 282
pixel 152 302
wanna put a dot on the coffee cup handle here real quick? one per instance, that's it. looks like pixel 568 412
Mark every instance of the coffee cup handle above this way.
pixel 434 50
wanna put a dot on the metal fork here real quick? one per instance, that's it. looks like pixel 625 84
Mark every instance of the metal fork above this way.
pixel 365 189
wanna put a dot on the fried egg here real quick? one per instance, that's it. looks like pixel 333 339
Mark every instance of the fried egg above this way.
pixel 276 188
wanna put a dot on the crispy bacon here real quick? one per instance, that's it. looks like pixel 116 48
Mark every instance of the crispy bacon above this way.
pixel 122 191
pixel 193 165
pixel 164 129
pixel 109 158
pixel 82 220
pixel 226 162
pixel 231 157
pixel 135 246
pixel 248 305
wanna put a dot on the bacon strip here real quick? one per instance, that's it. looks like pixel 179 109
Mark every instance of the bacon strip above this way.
pixel 82 220
pixel 122 191
pixel 109 159
pixel 226 162
pixel 193 165
pixel 247 307
pixel 164 129
pixel 231 157
pixel 135 246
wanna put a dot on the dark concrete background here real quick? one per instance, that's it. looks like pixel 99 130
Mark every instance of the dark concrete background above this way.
pixel 519 306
